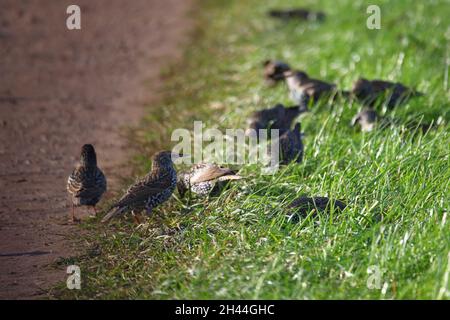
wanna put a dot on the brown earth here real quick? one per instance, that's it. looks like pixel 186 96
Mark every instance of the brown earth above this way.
pixel 60 89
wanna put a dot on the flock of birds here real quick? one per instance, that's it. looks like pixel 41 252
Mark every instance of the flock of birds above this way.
pixel 87 183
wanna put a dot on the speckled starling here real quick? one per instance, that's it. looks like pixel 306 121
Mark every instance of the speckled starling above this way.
pixel 372 92
pixel 297 14
pixel 87 183
pixel 302 206
pixel 302 87
pixel 291 145
pixel 277 117
pixel 274 71
pixel 205 178
pixel 150 191
pixel 366 119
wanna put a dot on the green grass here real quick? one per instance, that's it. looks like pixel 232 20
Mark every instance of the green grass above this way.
pixel 239 245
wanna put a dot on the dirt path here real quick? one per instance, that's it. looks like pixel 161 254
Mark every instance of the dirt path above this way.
pixel 60 89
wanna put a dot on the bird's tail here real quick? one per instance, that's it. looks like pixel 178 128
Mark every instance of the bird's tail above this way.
pixel 112 213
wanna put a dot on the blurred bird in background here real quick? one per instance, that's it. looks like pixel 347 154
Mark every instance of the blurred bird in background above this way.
pixel 371 92
pixel 302 88
pixel 274 71
pixel 368 120
pixel 300 14
pixel 301 206
pixel 291 145
pixel 277 117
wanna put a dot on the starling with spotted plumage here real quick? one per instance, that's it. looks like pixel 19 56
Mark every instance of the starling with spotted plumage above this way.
pixel 87 183
pixel 205 178
pixel 301 206
pixel 291 145
pixel 274 71
pixel 372 92
pixel 150 191
pixel 302 88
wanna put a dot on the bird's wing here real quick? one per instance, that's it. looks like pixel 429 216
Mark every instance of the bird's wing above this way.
pixel 289 116
pixel 318 85
pixel 293 112
pixel 209 173
pixel 86 183
pixel 403 90
pixel 379 86
pixel 266 115
pixel 140 193
pixel 75 181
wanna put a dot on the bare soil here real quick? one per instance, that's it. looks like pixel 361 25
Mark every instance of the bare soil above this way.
pixel 59 89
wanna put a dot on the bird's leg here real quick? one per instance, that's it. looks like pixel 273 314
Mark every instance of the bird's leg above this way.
pixel 136 218
pixel 73 218
pixel 95 211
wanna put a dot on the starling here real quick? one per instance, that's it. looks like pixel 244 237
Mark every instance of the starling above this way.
pixel 87 183
pixel 303 205
pixel 277 117
pixel 204 178
pixel 366 118
pixel 391 93
pixel 302 87
pixel 297 14
pixel 150 191
pixel 291 145
pixel 274 71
